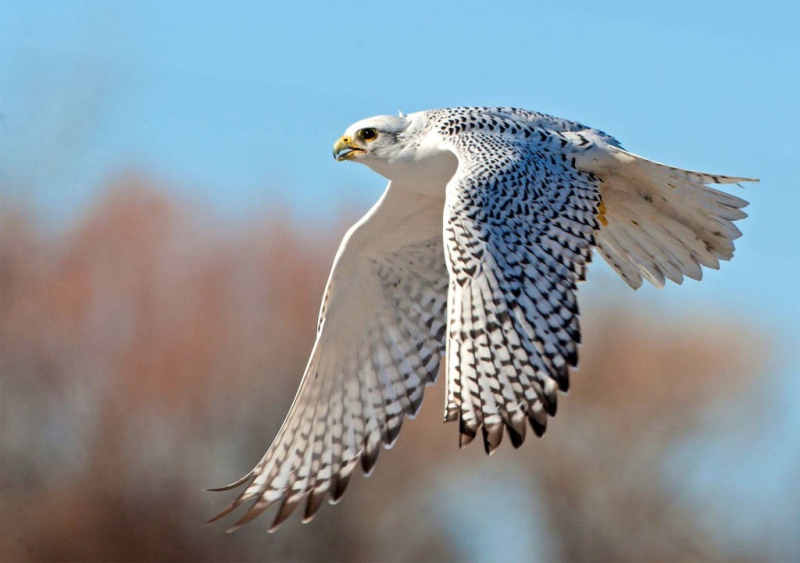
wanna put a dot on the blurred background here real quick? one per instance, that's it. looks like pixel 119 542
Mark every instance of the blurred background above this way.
pixel 170 210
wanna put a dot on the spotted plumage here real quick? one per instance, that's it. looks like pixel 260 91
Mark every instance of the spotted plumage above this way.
pixel 472 256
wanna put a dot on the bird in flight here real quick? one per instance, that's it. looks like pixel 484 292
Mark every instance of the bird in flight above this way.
pixel 470 259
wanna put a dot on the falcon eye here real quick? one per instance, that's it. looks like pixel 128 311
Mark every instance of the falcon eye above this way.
pixel 367 134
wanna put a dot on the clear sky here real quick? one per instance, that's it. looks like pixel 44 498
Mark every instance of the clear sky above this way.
pixel 240 104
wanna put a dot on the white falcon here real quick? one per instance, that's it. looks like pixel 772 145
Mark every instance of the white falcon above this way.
pixel 472 255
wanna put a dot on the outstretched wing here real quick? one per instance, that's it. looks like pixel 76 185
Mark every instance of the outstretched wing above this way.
pixel 520 221
pixel 379 341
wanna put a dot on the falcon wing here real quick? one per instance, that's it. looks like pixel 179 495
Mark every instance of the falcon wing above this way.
pixel 520 220
pixel 658 222
pixel 380 338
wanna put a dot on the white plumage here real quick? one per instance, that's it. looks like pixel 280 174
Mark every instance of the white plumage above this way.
pixel 472 254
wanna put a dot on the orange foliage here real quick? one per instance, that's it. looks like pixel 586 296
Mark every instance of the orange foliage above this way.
pixel 150 351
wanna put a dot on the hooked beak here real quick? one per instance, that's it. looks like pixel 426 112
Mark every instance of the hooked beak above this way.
pixel 345 148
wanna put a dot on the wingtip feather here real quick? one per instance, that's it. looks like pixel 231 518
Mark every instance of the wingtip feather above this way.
pixel 286 509
pixel 313 504
pixel 233 485
pixel 492 437
pixel 516 432
pixel 368 460
pixel 257 508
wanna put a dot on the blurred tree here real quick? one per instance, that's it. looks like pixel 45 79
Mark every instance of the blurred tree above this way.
pixel 149 352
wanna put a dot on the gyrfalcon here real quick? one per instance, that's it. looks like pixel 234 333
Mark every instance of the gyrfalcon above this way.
pixel 472 256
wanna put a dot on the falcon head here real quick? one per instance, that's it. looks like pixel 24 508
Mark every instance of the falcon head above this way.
pixel 401 149
pixel 373 138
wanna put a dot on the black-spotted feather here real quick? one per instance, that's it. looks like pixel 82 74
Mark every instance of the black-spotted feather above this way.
pixel 510 224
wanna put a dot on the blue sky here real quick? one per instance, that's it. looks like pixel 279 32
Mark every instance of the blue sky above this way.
pixel 238 106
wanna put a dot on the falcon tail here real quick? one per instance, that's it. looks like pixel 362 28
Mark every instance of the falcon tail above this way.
pixel 660 222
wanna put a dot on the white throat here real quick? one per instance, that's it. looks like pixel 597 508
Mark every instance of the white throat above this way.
pixel 425 168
